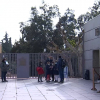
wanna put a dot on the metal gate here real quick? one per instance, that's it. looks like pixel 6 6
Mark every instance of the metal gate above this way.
pixel 34 59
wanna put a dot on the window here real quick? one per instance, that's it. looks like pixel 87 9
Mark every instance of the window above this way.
pixel 97 32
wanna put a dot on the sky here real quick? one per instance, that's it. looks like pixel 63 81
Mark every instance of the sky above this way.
pixel 12 12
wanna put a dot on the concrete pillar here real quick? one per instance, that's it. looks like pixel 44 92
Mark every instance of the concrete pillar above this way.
pixel 22 65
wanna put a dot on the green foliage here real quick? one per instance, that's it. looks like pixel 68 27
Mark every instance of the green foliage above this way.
pixel 6 44
pixel 84 18
pixel 57 38
pixel 67 23
pixel 72 42
pixel 19 47
pixel 37 32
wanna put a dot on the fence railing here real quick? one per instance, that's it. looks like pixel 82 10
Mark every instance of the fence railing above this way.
pixel 34 59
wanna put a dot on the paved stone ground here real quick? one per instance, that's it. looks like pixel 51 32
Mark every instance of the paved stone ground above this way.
pixel 30 89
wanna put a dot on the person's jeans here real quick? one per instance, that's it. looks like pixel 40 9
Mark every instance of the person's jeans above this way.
pixel 61 73
pixel 3 76
pixel 39 77
pixel 52 74
pixel 46 75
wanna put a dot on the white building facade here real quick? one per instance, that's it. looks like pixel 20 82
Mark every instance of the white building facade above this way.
pixel 0 47
pixel 91 45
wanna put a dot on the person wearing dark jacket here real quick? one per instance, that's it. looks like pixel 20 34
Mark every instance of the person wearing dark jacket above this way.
pixel 4 68
pixel 40 72
pixel 55 71
pixel 48 71
pixel 52 70
pixel 50 60
pixel 47 60
pixel 60 69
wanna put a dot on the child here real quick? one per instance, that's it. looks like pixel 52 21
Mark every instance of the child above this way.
pixel 40 72
pixel 52 70
pixel 48 71
pixel 56 73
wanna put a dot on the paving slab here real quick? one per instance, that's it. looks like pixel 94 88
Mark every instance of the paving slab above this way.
pixel 30 89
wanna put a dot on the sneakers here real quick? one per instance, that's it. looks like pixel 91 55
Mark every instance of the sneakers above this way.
pixel 40 81
pixel 5 81
pixel 61 82
pixel 56 81
pixel 48 81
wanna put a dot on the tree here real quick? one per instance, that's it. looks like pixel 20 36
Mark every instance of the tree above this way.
pixel 95 9
pixel 84 18
pixel 66 30
pixel 68 23
pixel 6 44
pixel 38 31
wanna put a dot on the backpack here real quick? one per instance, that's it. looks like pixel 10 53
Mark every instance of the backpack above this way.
pixel 63 63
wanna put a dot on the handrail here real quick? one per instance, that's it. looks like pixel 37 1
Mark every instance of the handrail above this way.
pixel 95 72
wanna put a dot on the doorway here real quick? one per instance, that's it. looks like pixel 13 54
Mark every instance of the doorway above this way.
pixel 96 63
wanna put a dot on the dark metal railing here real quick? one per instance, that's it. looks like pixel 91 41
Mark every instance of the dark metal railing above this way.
pixel 34 59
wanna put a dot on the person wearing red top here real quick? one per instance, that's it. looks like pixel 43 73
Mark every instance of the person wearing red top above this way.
pixel 40 72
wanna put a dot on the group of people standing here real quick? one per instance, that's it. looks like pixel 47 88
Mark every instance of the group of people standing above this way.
pixel 53 69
